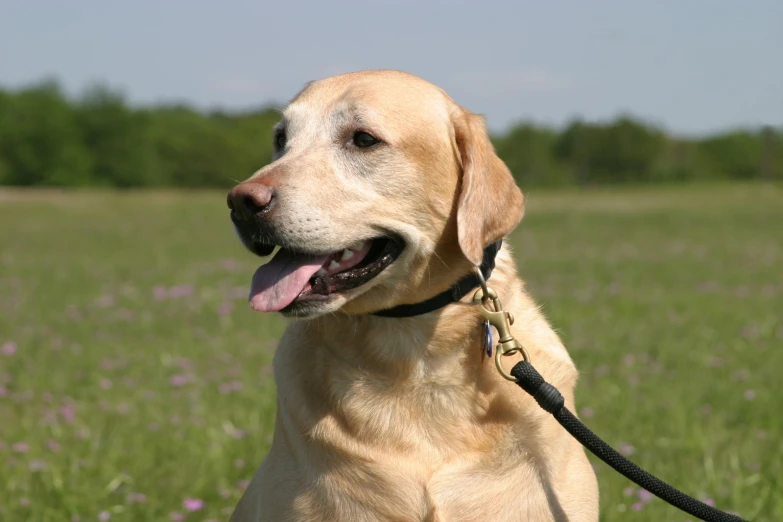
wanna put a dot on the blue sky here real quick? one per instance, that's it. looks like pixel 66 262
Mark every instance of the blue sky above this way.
pixel 692 66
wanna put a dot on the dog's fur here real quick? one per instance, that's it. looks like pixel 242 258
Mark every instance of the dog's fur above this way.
pixel 405 419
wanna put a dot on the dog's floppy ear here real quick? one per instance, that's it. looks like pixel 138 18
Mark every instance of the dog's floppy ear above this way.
pixel 490 203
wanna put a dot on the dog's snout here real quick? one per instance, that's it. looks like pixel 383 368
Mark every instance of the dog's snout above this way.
pixel 248 200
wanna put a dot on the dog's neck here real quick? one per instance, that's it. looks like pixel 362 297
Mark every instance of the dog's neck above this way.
pixel 354 370
pixel 378 380
pixel 397 347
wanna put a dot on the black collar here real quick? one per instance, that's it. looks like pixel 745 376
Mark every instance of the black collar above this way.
pixel 452 295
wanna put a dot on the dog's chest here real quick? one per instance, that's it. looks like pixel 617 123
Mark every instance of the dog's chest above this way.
pixel 422 459
pixel 400 489
pixel 354 444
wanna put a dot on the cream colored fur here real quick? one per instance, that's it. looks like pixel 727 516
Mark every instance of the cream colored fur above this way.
pixel 385 419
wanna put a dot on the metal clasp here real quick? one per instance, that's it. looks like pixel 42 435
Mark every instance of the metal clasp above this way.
pixel 502 321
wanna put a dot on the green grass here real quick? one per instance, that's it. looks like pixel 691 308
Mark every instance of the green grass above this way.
pixel 129 363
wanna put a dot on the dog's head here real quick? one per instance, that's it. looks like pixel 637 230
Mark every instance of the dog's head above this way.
pixel 382 191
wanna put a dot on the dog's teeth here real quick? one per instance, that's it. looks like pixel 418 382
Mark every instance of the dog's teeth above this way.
pixel 347 254
pixel 334 265
pixel 358 246
pixel 321 272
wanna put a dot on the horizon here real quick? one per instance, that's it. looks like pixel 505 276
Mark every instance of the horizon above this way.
pixel 272 106
pixel 692 69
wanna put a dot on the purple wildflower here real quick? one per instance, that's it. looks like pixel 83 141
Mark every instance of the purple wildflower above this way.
pixel 68 414
pixel 193 504
pixel 645 496
pixel 8 348
pixel 37 465
pixel 138 498
pixel 20 447
pixel 180 291
pixel 227 387
pixel 741 375
pixel 178 380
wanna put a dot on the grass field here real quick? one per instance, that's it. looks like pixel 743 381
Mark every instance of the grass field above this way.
pixel 135 383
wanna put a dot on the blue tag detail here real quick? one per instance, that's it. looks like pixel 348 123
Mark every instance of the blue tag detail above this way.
pixel 488 338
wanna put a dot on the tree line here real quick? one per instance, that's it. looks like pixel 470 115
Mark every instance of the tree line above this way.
pixel 98 139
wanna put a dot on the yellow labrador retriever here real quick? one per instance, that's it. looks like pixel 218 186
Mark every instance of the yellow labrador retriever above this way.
pixel 382 196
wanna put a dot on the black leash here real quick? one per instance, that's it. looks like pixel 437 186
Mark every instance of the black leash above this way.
pixel 550 399
pixel 547 396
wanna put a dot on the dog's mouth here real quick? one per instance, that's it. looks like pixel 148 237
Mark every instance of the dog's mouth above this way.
pixel 292 277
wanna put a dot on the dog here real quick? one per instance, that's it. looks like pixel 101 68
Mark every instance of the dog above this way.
pixel 382 195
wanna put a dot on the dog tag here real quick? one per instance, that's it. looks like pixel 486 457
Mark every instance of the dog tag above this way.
pixel 488 338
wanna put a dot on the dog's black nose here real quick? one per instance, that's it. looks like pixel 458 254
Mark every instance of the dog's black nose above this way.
pixel 250 199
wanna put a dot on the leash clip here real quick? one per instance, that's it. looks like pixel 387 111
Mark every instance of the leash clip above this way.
pixel 502 321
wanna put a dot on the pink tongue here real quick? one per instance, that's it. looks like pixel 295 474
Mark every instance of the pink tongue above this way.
pixel 276 284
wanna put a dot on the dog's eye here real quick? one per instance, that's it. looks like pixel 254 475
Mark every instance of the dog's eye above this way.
pixel 280 140
pixel 363 140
